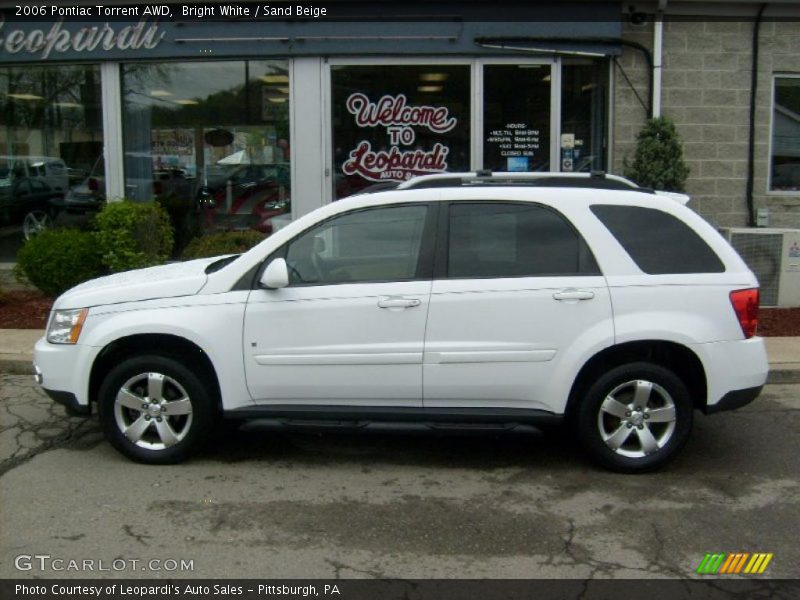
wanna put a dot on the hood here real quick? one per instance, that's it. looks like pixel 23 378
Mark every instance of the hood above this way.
pixel 167 281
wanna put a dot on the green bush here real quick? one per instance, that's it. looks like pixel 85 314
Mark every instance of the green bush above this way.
pixel 132 235
pixel 227 242
pixel 658 161
pixel 58 259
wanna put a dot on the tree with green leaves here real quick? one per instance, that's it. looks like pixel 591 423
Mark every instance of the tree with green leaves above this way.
pixel 658 161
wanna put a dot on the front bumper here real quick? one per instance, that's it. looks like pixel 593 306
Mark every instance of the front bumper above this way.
pixel 70 402
pixel 63 372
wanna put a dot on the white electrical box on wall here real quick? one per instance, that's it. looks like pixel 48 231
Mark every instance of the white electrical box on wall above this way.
pixel 774 256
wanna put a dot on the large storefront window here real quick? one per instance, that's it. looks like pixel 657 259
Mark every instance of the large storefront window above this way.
pixel 785 159
pixel 51 141
pixel 393 122
pixel 516 117
pixel 584 93
pixel 212 136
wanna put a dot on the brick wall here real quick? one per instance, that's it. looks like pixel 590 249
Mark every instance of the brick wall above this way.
pixel 706 91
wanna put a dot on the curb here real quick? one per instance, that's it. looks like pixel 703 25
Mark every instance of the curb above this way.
pixel 782 376
pixel 16 366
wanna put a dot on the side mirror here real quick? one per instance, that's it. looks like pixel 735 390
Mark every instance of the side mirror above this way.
pixel 276 275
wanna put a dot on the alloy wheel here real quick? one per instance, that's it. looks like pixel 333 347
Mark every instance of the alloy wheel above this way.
pixel 637 418
pixel 153 411
pixel 35 222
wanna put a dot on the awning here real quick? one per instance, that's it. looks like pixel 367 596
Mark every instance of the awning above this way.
pixel 550 46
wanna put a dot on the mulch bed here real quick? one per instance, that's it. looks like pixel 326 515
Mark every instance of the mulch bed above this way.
pixel 25 309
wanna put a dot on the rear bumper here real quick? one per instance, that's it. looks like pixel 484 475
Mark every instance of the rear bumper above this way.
pixel 735 399
pixel 735 372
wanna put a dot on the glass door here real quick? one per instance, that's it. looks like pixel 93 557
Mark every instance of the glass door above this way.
pixel 392 121
pixel 517 123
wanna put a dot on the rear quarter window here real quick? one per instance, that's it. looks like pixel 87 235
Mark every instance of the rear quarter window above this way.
pixel 659 243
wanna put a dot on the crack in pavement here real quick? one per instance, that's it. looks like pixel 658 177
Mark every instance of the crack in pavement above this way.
pixel 32 423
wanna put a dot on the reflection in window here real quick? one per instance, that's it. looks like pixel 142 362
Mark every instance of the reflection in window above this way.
pixel 381 244
pixel 584 90
pixel 210 134
pixel 51 137
pixel 785 159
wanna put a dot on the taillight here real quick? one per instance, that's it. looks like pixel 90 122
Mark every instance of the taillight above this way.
pixel 158 188
pixel 93 184
pixel 745 305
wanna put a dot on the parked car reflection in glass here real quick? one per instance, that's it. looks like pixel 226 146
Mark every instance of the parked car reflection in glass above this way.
pixel 244 196
pixel 29 187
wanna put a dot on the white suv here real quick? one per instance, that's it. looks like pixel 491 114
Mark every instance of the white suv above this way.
pixel 498 299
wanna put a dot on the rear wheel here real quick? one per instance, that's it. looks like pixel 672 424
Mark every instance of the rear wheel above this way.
pixel 635 418
pixel 155 410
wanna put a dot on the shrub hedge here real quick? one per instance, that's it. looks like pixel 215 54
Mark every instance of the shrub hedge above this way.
pixel 132 235
pixel 227 242
pixel 58 259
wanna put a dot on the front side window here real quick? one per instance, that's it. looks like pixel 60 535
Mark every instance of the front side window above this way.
pixel 785 159
pixel 379 244
pixel 658 243
pixel 497 239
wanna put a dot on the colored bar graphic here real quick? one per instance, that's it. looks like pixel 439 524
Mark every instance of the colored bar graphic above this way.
pixel 730 564
pixel 711 564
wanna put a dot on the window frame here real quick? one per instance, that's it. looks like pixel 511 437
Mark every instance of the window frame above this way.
pixel 443 241
pixel 425 260
pixel 769 190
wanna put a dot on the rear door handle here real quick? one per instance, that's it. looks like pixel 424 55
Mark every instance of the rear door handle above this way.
pixel 398 303
pixel 573 294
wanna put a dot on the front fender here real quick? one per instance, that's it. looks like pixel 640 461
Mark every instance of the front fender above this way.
pixel 213 325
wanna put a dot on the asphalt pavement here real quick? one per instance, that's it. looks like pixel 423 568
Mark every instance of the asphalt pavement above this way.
pixel 286 505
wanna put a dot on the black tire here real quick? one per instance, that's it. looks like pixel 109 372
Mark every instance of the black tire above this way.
pixel 185 431
pixel 595 423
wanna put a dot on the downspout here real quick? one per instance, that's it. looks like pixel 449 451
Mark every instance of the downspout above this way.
pixel 751 144
pixel 649 58
pixel 658 40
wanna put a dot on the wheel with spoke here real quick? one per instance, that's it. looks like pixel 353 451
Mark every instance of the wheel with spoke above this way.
pixel 154 409
pixel 35 222
pixel 635 418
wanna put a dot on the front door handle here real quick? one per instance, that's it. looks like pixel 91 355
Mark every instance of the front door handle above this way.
pixel 573 294
pixel 393 302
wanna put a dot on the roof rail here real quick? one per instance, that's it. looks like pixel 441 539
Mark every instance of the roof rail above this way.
pixel 486 176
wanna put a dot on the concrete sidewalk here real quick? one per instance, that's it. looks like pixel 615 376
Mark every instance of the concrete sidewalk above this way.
pixel 16 354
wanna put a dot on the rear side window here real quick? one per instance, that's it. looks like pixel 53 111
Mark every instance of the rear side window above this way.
pixel 658 242
pixel 499 239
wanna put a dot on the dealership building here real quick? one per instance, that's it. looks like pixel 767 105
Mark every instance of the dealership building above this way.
pixel 310 108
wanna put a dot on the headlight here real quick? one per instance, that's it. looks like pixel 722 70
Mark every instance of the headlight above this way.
pixel 65 326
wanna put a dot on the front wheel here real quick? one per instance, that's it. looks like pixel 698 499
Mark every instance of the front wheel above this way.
pixel 154 410
pixel 635 418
